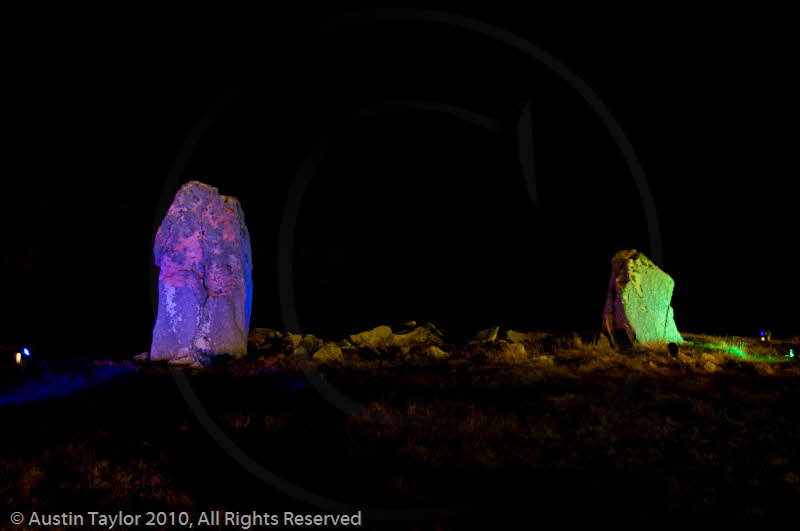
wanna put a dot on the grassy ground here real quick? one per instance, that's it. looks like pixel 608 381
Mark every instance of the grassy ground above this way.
pixel 534 428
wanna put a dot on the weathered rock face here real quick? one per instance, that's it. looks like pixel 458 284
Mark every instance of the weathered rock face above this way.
pixel 382 337
pixel 205 288
pixel 638 302
pixel 264 338
pixel 488 335
pixel 436 353
pixel 524 337
pixel 376 338
pixel 329 352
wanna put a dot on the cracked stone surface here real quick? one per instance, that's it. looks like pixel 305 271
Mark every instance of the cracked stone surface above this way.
pixel 205 288
pixel 638 301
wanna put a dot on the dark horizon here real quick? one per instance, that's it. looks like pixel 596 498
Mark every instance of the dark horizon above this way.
pixel 418 206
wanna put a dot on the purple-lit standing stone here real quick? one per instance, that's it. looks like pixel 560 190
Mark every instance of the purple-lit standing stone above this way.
pixel 205 287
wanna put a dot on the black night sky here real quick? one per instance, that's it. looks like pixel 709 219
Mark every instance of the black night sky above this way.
pixel 417 207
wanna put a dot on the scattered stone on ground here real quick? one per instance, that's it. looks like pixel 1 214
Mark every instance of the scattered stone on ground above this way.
pixel 523 337
pixel 264 338
pixel 382 337
pixel 293 340
pixel 303 346
pixel 488 335
pixel 312 342
pixel 344 344
pixel 417 336
pixel 328 352
pixel 374 339
pixel 433 329
pixel 436 353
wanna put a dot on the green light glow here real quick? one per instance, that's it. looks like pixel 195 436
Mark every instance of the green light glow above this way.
pixel 791 353
pixel 737 349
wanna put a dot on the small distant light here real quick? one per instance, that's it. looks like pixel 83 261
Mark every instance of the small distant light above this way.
pixel 791 353
pixel 26 351
pixel 19 358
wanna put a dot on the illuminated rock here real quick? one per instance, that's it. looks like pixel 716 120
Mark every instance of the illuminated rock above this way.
pixel 637 306
pixel 382 337
pixel 328 352
pixel 420 335
pixel 524 337
pixel 303 346
pixel 378 337
pixel 514 353
pixel 487 336
pixel 436 353
pixel 264 338
pixel 205 288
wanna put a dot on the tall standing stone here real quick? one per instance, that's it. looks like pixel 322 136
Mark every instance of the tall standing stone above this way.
pixel 205 287
pixel 637 306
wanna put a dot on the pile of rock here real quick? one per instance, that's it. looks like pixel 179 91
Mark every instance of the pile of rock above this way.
pixel 382 338
pixel 425 340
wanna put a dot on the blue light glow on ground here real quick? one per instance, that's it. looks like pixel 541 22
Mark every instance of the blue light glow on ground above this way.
pixel 49 383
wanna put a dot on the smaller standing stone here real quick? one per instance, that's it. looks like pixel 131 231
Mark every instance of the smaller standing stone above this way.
pixel 638 302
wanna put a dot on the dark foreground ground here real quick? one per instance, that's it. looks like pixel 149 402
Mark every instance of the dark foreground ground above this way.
pixel 559 430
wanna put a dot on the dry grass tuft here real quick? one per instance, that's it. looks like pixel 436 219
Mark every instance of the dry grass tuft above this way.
pixel 86 472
